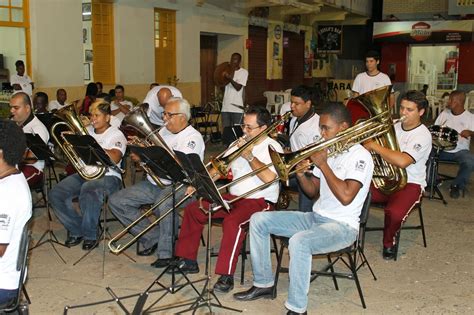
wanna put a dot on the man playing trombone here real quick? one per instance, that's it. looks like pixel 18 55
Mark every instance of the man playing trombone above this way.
pixel 341 182
pixel 254 156
pixel 179 135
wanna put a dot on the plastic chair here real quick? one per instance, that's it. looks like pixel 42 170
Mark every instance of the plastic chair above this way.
pixel 349 256
pixel 14 304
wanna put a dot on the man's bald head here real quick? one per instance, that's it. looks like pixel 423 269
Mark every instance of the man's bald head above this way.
pixel 164 94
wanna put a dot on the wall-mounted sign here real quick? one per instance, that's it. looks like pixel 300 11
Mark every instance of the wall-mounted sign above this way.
pixel 277 31
pixel 424 31
pixel 329 39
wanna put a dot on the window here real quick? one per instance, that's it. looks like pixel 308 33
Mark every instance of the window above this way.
pixel 102 53
pixel 165 45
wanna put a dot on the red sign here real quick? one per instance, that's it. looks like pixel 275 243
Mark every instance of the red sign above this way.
pixel 248 43
pixel 420 31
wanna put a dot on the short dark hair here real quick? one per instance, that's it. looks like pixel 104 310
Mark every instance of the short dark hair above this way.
pixel 303 92
pixel 24 97
pixel 19 63
pixel 263 115
pixel 99 84
pixel 119 87
pixel 338 112
pixel 373 54
pixel 59 90
pixel 42 94
pixel 237 54
pixel 416 97
pixel 12 142
pixel 461 95
pixel 91 89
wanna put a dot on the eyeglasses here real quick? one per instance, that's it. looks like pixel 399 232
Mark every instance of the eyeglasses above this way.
pixel 244 126
pixel 168 114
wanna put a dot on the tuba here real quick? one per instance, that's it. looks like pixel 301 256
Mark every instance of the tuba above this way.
pixel 379 127
pixel 138 120
pixel 73 124
pixel 219 78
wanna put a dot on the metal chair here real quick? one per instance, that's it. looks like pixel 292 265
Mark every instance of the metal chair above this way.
pixel 353 257
pixel 16 304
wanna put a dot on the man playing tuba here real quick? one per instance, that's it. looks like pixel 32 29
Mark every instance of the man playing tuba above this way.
pixel 179 135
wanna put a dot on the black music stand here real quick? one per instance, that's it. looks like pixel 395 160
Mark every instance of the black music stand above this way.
pixel 433 164
pixel 92 154
pixel 165 166
pixel 205 189
pixel 42 152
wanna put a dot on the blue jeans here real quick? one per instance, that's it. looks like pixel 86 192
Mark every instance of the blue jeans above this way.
pixel 125 205
pixel 7 295
pixel 91 198
pixel 465 159
pixel 309 234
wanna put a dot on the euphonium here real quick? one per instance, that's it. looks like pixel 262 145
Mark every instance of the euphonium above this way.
pixel 138 120
pixel 73 122
pixel 222 162
pixel 387 177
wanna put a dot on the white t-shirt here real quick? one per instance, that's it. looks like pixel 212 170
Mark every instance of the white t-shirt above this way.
pixel 240 167
pixel 364 83
pixel 188 140
pixel 114 106
pixel 464 121
pixel 232 96
pixel 112 138
pixel 54 104
pixel 115 121
pixel 355 164
pixel 15 211
pixel 24 81
pixel 417 144
pixel 35 126
pixel 154 107
pixel 304 134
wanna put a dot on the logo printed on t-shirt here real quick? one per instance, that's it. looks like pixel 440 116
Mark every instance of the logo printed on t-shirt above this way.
pixel 417 147
pixel 4 221
pixel 118 144
pixel 360 166
pixel 191 145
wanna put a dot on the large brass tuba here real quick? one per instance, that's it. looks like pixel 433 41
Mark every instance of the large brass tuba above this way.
pixel 73 124
pixel 138 120
pixel 387 177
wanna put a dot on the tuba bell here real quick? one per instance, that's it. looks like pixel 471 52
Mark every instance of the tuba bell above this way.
pixel 138 120
pixel 71 123
pixel 379 127
pixel 219 74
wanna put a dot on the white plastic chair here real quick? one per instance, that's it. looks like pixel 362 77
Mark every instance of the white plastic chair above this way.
pixel 434 105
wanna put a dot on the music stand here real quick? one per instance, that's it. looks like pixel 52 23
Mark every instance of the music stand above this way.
pixel 205 189
pixel 433 164
pixel 41 151
pixel 92 154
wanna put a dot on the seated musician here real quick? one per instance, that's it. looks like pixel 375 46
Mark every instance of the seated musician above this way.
pixel 156 99
pixel 256 120
pixel 22 114
pixel 125 204
pixel 341 182
pixel 461 120
pixel 90 193
pixel 15 206
pixel 59 102
pixel 303 130
pixel 120 106
pixel 414 140
pixel 40 103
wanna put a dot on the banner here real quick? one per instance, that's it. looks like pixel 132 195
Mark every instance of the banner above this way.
pixel 424 31
pixel 330 39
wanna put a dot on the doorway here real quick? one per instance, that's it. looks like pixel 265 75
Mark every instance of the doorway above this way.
pixel 436 66
pixel 208 65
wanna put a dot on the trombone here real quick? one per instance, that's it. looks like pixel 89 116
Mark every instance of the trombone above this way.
pixel 221 163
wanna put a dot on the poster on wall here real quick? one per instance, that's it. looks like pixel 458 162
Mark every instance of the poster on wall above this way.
pixel 275 51
pixel 330 39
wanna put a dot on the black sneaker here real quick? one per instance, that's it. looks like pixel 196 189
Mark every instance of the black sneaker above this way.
pixel 454 192
pixel 388 253
pixel 224 284
pixel 186 266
